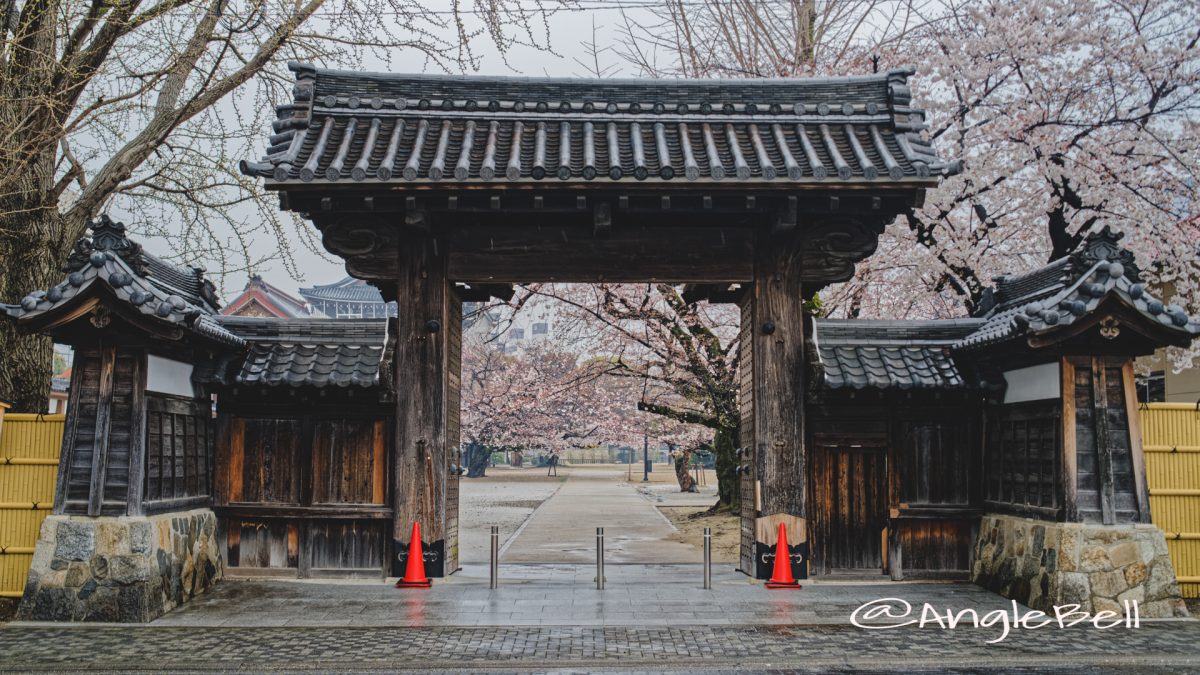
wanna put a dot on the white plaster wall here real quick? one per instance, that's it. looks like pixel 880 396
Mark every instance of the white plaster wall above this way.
pixel 1034 383
pixel 168 376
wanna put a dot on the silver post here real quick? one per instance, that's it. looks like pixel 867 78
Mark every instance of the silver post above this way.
pixel 600 558
pixel 707 558
pixel 495 575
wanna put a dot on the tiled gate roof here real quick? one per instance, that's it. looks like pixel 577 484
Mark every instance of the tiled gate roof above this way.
pixel 365 127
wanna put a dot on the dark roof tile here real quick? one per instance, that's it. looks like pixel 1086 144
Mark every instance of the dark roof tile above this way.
pixel 306 352
pixel 857 354
pixel 346 126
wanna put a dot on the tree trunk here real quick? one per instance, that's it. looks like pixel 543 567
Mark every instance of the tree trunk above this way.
pixel 32 250
pixel 725 463
pixel 477 460
pixel 34 237
pixel 516 458
pixel 686 482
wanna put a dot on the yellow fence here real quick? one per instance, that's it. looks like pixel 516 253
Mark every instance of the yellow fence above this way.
pixel 29 446
pixel 1171 438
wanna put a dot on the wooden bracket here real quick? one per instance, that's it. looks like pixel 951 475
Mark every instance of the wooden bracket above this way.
pixel 785 220
pixel 602 219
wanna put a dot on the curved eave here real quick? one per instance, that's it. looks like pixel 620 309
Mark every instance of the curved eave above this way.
pixel 1084 303
pixel 110 281
pixel 550 183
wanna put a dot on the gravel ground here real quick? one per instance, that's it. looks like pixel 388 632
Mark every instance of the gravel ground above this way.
pixel 726 533
pixel 505 497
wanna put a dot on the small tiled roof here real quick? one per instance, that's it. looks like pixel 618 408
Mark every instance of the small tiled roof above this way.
pixel 352 127
pixel 110 261
pixel 858 354
pixel 305 352
pixel 346 290
pixel 1055 296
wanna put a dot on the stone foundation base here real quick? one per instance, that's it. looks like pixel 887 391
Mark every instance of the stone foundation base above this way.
pixel 1099 567
pixel 128 569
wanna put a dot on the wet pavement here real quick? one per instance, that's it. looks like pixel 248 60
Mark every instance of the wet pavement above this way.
pixel 563 595
pixel 563 528
pixel 549 617
pixel 1163 647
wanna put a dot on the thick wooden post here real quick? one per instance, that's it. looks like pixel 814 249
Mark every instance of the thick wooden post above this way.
pixel 778 354
pixel 420 462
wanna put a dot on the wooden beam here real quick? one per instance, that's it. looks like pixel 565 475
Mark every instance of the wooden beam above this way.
pixel 534 253
pixel 785 220
pixel 108 361
pixel 67 449
pixel 478 292
pixel 1068 471
pixel 601 219
pixel 1136 452
pixel 1104 463
pixel 137 438
pixel 716 293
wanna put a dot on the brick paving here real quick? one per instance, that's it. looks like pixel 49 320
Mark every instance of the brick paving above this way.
pixel 1168 646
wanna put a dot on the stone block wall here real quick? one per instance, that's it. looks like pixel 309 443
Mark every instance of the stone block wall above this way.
pixel 1098 567
pixel 126 569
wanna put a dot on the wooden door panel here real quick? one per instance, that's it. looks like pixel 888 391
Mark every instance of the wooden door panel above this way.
pixel 345 548
pixel 270 466
pixel 850 506
pixel 348 462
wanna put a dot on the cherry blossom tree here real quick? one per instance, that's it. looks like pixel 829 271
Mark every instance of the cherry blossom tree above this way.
pixel 1069 114
pixel 682 356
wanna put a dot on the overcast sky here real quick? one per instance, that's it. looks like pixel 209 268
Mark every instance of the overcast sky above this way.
pixel 569 31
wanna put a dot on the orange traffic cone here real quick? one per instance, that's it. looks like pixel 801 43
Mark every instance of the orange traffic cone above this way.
pixel 781 575
pixel 414 571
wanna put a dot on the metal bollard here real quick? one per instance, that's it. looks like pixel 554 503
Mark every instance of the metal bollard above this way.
pixel 707 558
pixel 495 575
pixel 599 558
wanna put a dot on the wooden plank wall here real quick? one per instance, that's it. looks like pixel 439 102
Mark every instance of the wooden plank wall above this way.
pixel 1023 459
pixel 105 430
pixel 304 497
pixel 913 517
pixel 1107 483
pixel 178 452
pixel 849 502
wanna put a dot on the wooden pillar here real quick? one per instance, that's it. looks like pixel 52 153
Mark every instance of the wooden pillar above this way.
pixel 420 462
pixel 1069 463
pixel 778 356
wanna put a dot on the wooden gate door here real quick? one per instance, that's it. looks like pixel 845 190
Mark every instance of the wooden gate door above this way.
pixel 849 488
pixel 303 497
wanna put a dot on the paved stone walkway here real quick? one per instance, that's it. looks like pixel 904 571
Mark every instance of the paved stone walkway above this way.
pixel 561 595
pixel 563 529
pixel 1163 647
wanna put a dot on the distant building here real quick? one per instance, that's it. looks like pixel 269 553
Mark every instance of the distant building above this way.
pixel 60 386
pixel 349 298
pixel 264 300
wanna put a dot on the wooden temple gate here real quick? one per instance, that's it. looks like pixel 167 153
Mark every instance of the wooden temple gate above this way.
pixel 444 189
